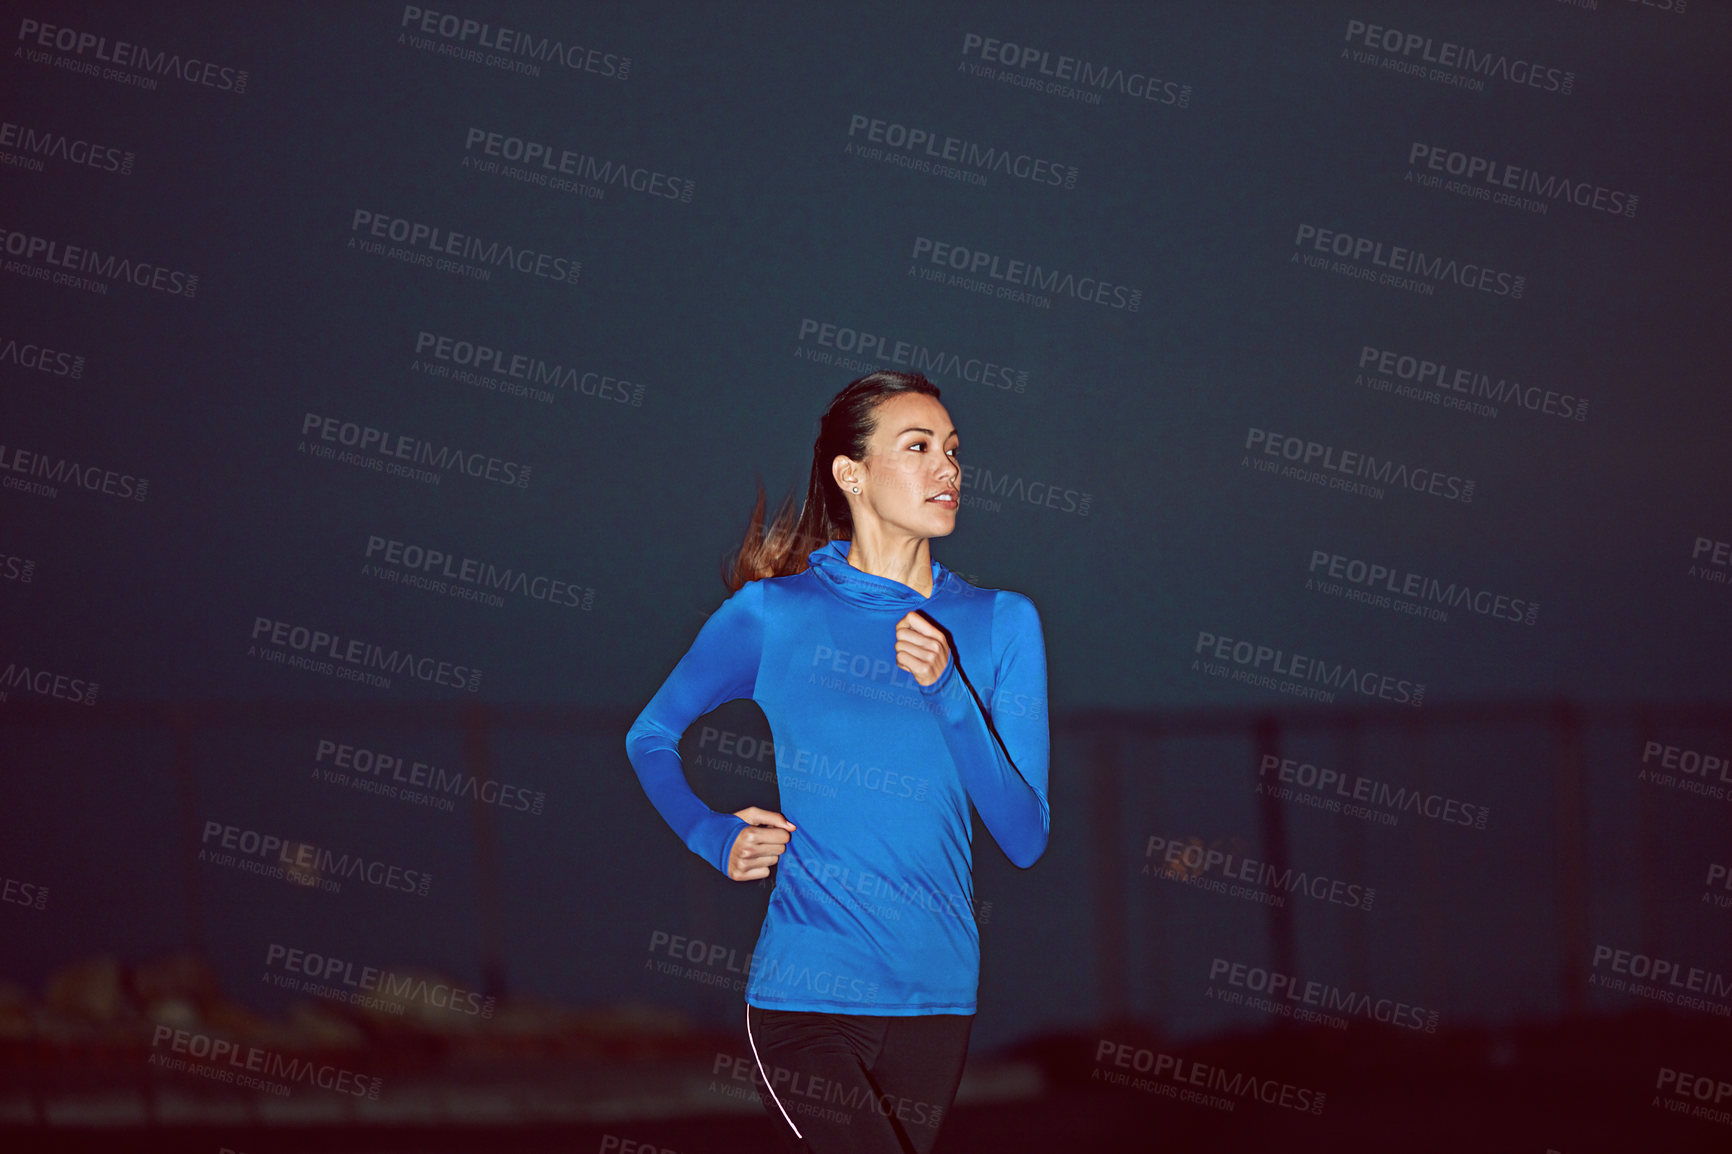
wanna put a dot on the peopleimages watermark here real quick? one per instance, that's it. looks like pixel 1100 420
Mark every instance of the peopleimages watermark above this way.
pixel 1348 470
pixel 516 374
pixel 814 772
pixel 466 578
pixel 822 772
pixel 935 154
pixel 443 250
pixel 1451 387
pixel 1196 1083
pixel 1446 62
pixel 861 674
pixel 563 170
pixel 1401 590
pixel 863 350
pixel 1274 668
pixel 26 146
pixel 19 569
pixel 23 677
pixel 874 895
pixel 1704 1096
pixel 614 1144
pixel 984 489
pixel 122 61
pixel 398 776
pixel 1662 980
pixel 238 1064
pixel 40 474
pixel 1317 1003
pixel 1686 770
pixel 1188 861
pixel 400 455
pixel 322 975
pixel 1396 266
pixel 40 358
pixel 1675 7
pixel 1368 799
pixel 16 892
pixel 302 863
pixel 87 269
pixel 1719 877
pixel 498 46
pixel 1018 280
pixel 1498 182
pixel 713 964
pixel 746 755
pixel 1071 77
pixel 352 658
pixel 811 1095
pixel 705 963
pixel 1711 561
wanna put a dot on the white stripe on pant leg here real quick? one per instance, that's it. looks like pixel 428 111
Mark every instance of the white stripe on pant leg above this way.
pixel 763 1074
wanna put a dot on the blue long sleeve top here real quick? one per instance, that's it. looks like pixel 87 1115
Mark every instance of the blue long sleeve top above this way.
pixel 873 906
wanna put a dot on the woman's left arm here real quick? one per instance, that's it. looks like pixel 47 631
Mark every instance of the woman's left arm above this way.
pixel 1002 747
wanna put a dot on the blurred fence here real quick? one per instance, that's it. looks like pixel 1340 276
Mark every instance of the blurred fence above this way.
pixel 1506 843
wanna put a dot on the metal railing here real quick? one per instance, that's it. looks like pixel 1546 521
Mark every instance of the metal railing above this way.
pixel 1118 769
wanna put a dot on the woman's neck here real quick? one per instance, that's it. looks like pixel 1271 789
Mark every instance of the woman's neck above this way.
pixel 904 559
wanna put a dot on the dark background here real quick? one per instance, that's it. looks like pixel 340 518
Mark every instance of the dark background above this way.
pixel 1111 483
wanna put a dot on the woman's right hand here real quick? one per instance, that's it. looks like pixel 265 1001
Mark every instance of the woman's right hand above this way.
pixel 757 847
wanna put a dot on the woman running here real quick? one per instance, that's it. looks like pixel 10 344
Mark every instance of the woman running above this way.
pixel 897 694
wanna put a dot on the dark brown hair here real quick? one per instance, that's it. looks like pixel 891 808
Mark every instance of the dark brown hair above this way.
pixel 780 549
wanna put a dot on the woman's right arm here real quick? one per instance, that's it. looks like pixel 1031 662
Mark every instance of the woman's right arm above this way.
pixel 721 665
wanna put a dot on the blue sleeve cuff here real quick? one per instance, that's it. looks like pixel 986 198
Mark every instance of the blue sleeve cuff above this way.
pixel 719 833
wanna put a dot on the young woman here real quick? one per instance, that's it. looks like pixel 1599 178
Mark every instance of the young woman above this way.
pixel 897 694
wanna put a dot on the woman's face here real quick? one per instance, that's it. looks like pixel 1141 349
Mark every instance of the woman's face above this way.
pixel 910 479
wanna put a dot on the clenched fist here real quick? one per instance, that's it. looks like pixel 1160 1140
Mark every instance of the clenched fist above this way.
pixel 921 648
pixel 757 847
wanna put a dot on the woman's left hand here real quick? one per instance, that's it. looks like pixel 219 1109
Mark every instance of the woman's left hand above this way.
pixel 921 648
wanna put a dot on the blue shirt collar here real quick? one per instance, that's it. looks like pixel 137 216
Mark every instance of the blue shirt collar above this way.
pixel 829 564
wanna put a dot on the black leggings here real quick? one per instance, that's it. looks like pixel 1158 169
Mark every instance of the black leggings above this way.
pixel 857 1083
